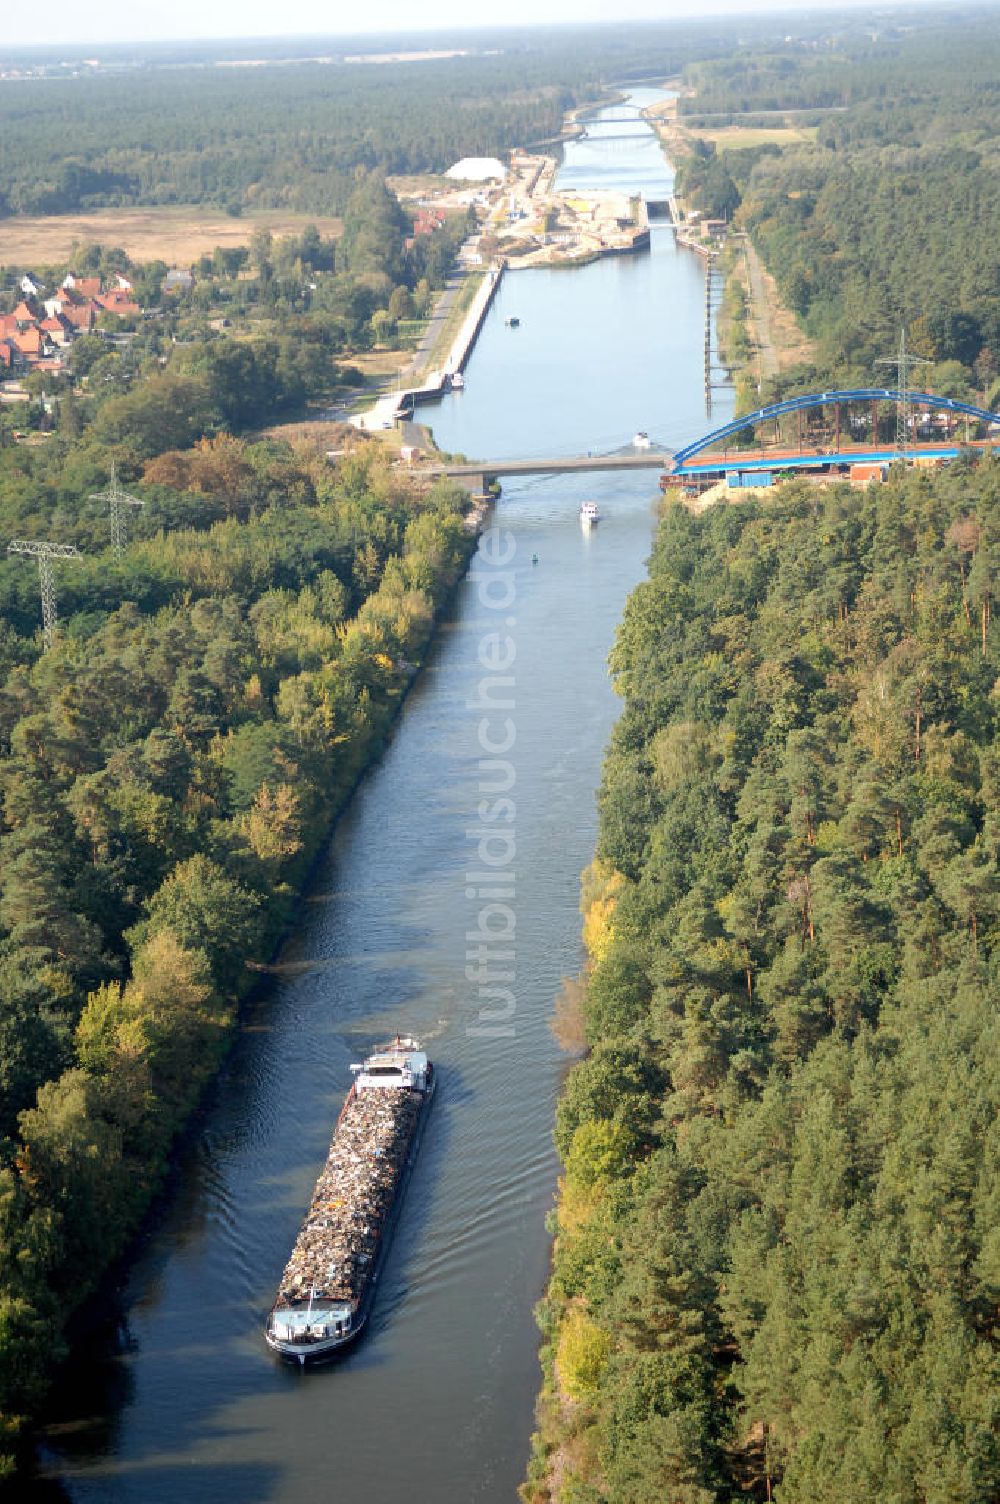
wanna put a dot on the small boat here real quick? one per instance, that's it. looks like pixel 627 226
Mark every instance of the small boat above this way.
pixel 589 513
pixel 640 440
pixel 457 381
pixel 513 322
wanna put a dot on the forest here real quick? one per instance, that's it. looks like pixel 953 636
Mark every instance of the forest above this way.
pixel 169 770
pixel 172 125
pixel 776 1268
pixel 215 136
pixel 294 135
pixel 777 1263
pixel 890 215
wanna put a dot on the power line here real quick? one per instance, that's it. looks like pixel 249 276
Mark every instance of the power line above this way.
pixel 903 361
pixel 45 552
pixel 118 501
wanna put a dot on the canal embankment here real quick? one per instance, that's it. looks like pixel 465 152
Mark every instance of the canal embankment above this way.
pixel 392 406
pixel 759 334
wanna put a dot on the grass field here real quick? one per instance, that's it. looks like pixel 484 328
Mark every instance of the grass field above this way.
pixel 178 234
pixel 736 136
pixel 376 363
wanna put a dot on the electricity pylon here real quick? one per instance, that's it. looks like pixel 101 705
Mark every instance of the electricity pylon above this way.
pixel 903 361
pixel 45 553
pixel 118 500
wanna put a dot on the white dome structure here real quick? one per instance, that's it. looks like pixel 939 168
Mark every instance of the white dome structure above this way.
pixel 478 169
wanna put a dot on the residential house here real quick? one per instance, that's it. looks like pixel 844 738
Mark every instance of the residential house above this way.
pixel 426 221
pixel 33 344
pixel 178 280
pixel 118 301
pixel 82 316
pixel 59 329
pixel 87 287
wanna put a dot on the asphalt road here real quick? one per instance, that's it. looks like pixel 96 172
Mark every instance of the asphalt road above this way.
pixel 425 348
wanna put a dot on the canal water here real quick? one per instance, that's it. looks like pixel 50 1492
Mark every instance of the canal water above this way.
pixel 175 1397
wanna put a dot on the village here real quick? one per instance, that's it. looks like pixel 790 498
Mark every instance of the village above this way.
pixel 39 331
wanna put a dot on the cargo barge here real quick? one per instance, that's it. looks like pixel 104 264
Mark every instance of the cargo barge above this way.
pixel 327 1289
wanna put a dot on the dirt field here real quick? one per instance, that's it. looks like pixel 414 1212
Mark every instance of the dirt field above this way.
pixel 419 185
pixel 177 235
pixel 781 342
pixel 315 433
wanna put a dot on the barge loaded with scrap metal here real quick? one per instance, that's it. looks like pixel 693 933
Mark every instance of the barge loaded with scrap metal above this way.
pixel 328 1286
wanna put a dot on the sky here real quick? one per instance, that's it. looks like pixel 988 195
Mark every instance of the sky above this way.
pixel 70 23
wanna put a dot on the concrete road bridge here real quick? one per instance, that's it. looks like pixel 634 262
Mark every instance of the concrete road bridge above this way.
pixel 485 472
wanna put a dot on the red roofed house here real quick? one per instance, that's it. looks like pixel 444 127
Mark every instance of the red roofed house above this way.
pixel 29 337
pixel 87 287
pixel 118 302
pixel 81 316
pixel 427 221
pixel 58 328
pixel 32 342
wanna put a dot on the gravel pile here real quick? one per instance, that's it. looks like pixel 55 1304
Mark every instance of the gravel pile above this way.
pixel 335 1248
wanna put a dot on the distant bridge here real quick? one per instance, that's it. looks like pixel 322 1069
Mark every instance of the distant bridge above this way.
pixel 619 135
